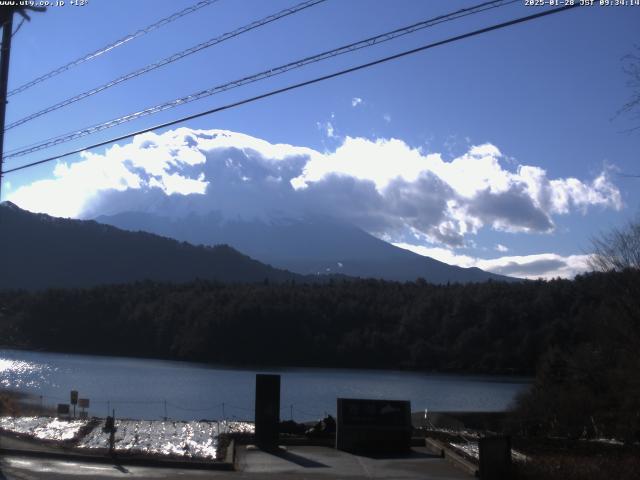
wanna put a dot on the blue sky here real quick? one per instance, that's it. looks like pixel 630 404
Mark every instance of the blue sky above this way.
pixel 456 143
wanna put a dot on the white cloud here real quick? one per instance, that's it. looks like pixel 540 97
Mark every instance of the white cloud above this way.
pixel 355 101
pixel 559 196
pixel 439 253
pixel 386 187
pixel 363 159
pixel 461 196
pixel 501 248
pixel 387 118
pixel 543 265
pixel 74 185
pixel 327 128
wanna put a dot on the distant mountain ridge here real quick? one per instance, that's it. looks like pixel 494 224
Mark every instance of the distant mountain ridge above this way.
pixel 308 246
pixel 39 251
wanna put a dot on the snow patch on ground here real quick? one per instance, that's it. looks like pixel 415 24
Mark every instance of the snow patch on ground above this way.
pixel 470 449
pixel 43 428
pixel 167 438
pixel 609 441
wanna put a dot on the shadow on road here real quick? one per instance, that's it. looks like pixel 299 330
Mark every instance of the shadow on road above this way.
pixel 297 459
pixel 399 456
pixel 118 467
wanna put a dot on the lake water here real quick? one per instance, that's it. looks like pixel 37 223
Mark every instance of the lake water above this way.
pixel 151 389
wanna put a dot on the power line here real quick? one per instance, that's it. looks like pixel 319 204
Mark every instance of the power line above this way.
pixel 18 28
pixel 260 76
pixel 256 77
pixel 6 19
pixel 304 84
pixel 22 11
pixel 168 60
pixel 118 43
pixel 14 32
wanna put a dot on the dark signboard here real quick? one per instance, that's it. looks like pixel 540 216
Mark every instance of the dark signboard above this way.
pixel 495 458
pixel 109 425
pixel 74 397
pixel 63 409
pixel 373 425
pixel 267 410
pixel 83 402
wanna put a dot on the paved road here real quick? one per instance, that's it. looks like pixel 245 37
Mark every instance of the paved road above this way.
pixel 323 463
pixel 292 463
pixel 31 468
pixel 11 442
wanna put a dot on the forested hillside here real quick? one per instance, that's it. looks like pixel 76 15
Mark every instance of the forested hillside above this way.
pixel 40 251
pixel 490 327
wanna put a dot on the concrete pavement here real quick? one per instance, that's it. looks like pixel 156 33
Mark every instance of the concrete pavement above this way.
pixel 31 468
pixel 294 463
pixel 301 462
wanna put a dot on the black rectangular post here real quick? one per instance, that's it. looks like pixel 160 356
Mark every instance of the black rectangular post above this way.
pixel 366 425
pixel 267 410
pixel 495 458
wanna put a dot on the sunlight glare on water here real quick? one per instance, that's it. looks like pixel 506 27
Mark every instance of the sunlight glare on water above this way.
pixel 19 374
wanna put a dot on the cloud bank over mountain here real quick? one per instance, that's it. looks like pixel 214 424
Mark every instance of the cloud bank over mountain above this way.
pixel 384 186
pixel 542 265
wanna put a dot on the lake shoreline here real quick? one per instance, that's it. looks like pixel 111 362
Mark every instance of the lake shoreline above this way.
pixel 517 377
pixel 150 388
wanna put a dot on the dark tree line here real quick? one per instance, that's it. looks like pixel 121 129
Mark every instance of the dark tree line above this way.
pixel 587 382
pixel 486 327
pixel 579 337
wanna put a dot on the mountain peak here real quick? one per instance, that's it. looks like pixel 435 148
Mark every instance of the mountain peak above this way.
pixel 9 205
pixel 308 246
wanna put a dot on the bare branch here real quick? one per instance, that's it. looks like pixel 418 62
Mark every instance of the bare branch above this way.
pixel 631 67
pixel 618 249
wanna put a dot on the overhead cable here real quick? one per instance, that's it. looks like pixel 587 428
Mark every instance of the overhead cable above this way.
pixel 369 42
pixel 303 84
pixel 166 61
pixel 107 48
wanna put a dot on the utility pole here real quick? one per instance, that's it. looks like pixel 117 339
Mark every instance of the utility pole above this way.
pixel 6 20
pixel 6 17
